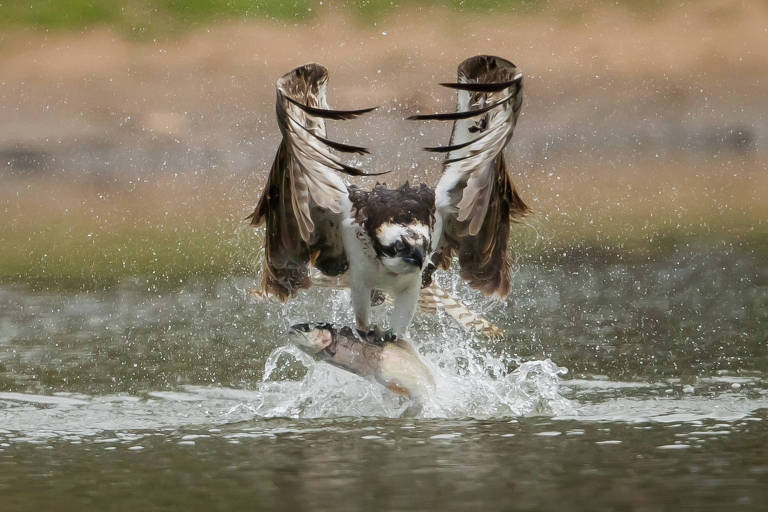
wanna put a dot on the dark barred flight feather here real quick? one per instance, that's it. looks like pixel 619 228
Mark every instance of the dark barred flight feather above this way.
pixel 452 116
pixel 301 202
pixel 476 198
pixel 326 113
pixel 345 148
pixel 448 149
pixel 483 87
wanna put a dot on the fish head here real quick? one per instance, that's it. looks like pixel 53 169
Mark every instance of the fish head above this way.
pixel 312 338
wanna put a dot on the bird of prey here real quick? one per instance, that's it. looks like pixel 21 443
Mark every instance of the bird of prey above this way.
pixel 383 239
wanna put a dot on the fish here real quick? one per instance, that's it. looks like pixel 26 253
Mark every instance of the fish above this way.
pixel 391 361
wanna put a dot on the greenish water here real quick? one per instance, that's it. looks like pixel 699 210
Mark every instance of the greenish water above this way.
pixel 384 464
pixel 619 386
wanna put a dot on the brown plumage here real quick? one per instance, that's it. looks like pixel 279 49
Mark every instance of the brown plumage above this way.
pixel 476 198
pixel 303 187
pixel 286 256
pixel 483 256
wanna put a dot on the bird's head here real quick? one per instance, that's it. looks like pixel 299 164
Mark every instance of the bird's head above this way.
pixel 399 222
pixel 403 248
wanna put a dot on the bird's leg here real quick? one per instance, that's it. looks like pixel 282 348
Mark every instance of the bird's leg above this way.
pixel 361 304
pixel 405 307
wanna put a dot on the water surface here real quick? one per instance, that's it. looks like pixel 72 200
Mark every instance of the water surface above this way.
pixel 623 385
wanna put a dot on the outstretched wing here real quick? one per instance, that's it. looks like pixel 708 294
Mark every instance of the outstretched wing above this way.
pixel 301 201
pixel 475 199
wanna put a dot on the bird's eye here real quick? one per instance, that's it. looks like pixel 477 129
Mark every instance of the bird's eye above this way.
pixel 399 246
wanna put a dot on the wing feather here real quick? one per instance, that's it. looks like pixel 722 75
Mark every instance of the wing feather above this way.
pixel 304 190
pixel 468 114
pixel 475 199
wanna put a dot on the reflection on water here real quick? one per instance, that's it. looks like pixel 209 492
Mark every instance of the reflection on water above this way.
pixel 638 383
pixel 386 464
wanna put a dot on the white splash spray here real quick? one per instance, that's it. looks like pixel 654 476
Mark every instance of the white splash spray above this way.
pixel 471 380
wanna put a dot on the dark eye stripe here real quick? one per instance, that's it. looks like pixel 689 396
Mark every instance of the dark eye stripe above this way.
pixel 389 250
pixel 403 245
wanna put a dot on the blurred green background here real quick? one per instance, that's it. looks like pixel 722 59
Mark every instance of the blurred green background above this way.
pixel 135 136
pixel 156 17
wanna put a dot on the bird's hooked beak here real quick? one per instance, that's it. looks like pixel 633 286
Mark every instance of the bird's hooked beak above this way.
pixel 415 257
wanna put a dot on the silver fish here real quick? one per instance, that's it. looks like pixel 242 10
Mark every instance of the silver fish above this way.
pixel 392 362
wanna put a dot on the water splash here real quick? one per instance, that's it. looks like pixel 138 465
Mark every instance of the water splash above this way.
pixel 531 389
pixel 469 382
pixel 471 379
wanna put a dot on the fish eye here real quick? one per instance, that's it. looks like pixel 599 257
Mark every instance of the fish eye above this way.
pixel 301 327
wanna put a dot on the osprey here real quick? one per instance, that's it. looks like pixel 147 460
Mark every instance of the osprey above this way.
pixel 384 239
